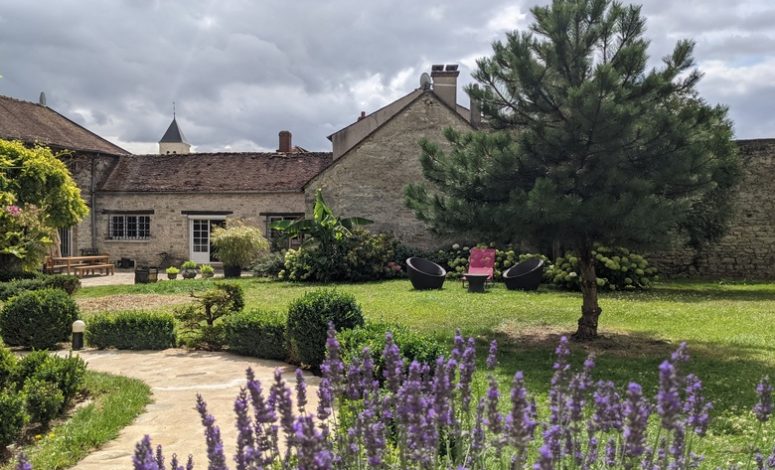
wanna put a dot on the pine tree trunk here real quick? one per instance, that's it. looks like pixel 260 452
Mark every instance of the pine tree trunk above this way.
pixel 590 310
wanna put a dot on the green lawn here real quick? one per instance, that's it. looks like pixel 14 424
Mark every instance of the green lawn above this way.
pixel 730 328
pixel 114 403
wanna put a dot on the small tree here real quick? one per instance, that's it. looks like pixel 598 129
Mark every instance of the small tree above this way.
pixel 586 144
pixel 238 245
pixel 37 196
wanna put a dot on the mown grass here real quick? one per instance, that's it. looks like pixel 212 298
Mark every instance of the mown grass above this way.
pixel 730 329
pixel 115 402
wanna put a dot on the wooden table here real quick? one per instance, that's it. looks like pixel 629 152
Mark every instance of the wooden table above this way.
pixel 81 265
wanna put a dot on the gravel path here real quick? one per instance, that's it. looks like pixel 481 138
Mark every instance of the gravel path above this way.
pixel 175 377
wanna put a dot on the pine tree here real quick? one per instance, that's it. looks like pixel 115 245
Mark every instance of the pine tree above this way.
pixel 585 144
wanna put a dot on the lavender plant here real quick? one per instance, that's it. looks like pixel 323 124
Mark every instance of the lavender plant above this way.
pixel 428 416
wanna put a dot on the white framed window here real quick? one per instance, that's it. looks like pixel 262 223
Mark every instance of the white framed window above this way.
pixel 275 236
pixel 129 227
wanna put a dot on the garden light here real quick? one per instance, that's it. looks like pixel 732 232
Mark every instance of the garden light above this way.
pixel 78 328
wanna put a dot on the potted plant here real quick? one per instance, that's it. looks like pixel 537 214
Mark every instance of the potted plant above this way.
pixel 189 269
pixel 206 271
pixel 172 272
pixel 238 245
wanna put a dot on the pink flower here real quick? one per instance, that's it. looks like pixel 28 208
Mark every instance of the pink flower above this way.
pixel 13 210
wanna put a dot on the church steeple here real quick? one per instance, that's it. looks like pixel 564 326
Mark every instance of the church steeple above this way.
pixel 173 140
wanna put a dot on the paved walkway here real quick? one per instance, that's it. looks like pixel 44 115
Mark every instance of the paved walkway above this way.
pixel 175 377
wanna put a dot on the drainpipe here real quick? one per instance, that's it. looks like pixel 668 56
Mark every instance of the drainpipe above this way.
pixel 93 199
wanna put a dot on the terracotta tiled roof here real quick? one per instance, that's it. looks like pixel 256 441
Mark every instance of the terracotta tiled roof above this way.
pixel 215 172
pixel 34 123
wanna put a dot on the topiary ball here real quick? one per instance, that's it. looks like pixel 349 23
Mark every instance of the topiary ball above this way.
pixel 308 319
pixel 38 319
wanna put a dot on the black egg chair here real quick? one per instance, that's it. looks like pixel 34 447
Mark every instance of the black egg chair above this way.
pixel 425 274
pixel 526 275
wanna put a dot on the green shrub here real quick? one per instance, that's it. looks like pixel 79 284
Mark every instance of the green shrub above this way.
pixel 131 330
pixel 616 268
pixel 66 282
pixel 65 372
pixel 206 271
pixel 188 265
pixel 29 364
pixel 44 401
pixel 7 276
pixel 8 366
pixel 413 346
pixel 198 321
pixel 308 319
pixel 359 256
pixel 269 264
pixel 257 333
pixel 13 416
pixel 38 319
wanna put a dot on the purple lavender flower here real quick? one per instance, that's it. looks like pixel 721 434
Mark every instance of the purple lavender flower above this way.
pixel 144 458
pixel 393 368
pixel 333 367
pixel 668 398
pixel 680 355
pixel 245 440
pixel 636 416
pixel 301 391
pixel 325 399
pixel 610 453
pixel 559 384
pixel 477 435
pixel 771 459
pixel 22 463
pixel 520 422
pixel 467 367
pixel 212 436
pixel 759 459
pixel 492 357
pixel 494 418
pixel 591 459
pixel 550 451
pixel 763 408
pixel 608 408
pixel 696 408
pixel 458 347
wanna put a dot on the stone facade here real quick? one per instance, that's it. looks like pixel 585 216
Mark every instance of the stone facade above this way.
pixel 369 179
pixel 169 220
pixel 748 249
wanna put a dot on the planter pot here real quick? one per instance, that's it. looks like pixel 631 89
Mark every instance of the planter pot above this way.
pixel 232 271
pixel 207 275
pixel 172 276
pixel 188 273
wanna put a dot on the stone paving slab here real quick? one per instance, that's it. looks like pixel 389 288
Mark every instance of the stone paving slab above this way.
pixel 175 377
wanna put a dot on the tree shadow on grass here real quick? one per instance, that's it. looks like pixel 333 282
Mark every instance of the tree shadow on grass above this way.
pixel 686 293
pixel 729 372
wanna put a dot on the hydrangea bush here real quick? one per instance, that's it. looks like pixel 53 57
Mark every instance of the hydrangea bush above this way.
pixel 427 416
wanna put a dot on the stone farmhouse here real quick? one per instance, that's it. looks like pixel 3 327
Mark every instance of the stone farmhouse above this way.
pixel 146 205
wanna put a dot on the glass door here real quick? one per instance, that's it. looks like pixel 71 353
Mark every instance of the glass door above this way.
pixel 201 248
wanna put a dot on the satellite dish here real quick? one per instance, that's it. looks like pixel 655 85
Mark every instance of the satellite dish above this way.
pixel 425 81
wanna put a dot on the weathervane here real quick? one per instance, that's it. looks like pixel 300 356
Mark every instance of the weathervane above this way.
pixel 173 110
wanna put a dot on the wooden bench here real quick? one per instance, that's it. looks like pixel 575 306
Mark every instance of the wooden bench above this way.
pixel 83 270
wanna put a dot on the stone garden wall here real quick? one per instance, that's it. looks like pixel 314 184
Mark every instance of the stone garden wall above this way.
pixel 748 249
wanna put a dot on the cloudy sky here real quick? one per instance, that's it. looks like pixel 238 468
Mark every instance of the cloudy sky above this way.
pixel 241 70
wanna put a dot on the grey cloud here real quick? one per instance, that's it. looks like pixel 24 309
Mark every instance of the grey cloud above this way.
pixel 242 70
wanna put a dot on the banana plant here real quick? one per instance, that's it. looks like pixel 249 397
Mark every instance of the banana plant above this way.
pixel 323 228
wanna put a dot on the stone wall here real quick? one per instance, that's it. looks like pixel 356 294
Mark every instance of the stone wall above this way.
pixel 369 180
pixel 748 249
pixel 170 227
pixel 89 171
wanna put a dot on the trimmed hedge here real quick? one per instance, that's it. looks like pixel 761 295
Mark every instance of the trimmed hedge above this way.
pixel 65 282
pixel 38 319
pixel 308 319
pixel 413 346
pixel 131 330
pixel 257 333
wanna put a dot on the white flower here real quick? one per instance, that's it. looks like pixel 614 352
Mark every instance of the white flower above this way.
pixel 572 274
pixel 455 246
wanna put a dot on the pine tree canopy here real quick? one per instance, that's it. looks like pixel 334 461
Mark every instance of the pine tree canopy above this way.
pixel 583 141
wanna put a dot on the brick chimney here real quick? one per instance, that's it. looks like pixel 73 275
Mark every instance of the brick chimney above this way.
pixel 285 142
pixel 445 83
